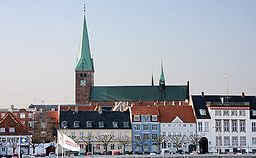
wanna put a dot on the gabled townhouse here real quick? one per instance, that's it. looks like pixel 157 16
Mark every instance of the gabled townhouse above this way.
pixel 14 136
pixel 226 123
pixel 98 131
pixel 178 127
pixel 145 127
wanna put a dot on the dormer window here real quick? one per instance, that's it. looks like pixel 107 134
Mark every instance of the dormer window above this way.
pixel 101 124
pixel 2 130
pixel 136 117
pixel 88 123
pixel 202 112
pixel 115 124
pixel 253 112
pixel 22 115
pixel 154 117
pixel 64 124
pixel 11 130
pixel 126 125
pixel 76 124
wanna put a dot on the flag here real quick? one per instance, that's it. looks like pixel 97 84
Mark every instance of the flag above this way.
pixel 67 142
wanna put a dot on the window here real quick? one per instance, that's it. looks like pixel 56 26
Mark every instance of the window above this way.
pixel 145 127
pixel 76 124
pixel 145 136
pixel 145 118
pixel 253 140
pixel 234 141
pixel 226 141
pixel 225 112
pixel 226 125
pixel 218 125
pixel 154 127
pixel 242 113
pixel 200 126
pixel 30 115
pixel 101 124
pixel 43 133
pixel 218 141
pixel 81 134
pixel 88 123
pixel 206 126
pixel 126 124
pixel 137 137
pixel 137 127
pixel 43 125
pixel 217 113
pixel 242 125
pixel 253 112
pixel 154 117
pixel 2 130
pixel 115 124
pixel 234 125
pixel 11 130
pixel 202 112
pixel 22 115
pixel 170 134
pixel 242 141
pixel 73 134
pixel 253 126
pixel 184 125
pixel 112 146
pixel 64 124
pixel 136 117
pixel 164 133
pixel 31 124
pixel 154 136
pixel 233 112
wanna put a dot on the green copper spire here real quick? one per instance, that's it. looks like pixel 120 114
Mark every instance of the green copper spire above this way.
pixel 85 62
pixel 162 80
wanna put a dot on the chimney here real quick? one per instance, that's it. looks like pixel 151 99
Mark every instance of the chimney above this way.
pixel 12 107
pixel 179 103
pixel 76 108
pixel 243 94
pixel 100 110
pixel 164 103
pixel 202 94
pixel 173 102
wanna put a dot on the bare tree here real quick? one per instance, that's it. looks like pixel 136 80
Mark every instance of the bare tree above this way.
pixel 177 140
pixel 13 143
pixel 158 140
pixel 124 140
pixel 87 141
pixel 194 139
pixel 105 139
pixel 139 142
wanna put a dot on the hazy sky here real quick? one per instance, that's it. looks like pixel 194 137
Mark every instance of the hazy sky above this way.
pixel 199 41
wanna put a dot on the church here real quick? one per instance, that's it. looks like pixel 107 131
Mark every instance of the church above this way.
pixel 87 93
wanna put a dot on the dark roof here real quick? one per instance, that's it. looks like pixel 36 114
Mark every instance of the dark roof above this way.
pixel 108 117
pixel 199 102
pixel 44 107
pixel 139 93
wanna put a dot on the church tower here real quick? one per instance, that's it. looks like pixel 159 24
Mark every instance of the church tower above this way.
pixel 84 71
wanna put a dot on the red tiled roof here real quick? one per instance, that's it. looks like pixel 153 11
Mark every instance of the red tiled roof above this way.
pixel 144 110
pixel 9 120
pixel 168 113
pixel 79 108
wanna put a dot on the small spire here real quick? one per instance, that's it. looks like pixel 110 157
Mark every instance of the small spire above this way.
pixel 162 79
pixel 152 80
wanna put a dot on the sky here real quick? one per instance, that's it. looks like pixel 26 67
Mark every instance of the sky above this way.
pixel 199 41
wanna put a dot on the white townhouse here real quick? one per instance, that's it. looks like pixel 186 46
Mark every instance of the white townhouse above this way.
pixel 225 123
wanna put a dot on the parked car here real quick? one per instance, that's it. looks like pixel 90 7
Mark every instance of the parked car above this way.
pixel 28 156
pixel 52 155
pixel 15 156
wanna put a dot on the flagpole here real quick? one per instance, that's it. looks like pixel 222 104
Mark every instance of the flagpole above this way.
pixel 227 84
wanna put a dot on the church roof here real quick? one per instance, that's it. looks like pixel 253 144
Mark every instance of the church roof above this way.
pixel 138 93
pixel 85 62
